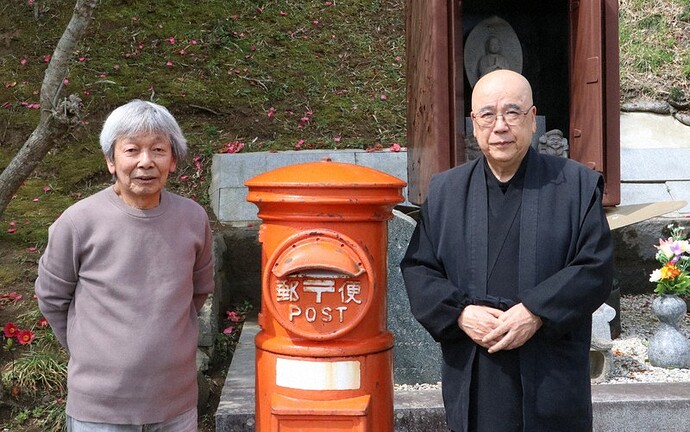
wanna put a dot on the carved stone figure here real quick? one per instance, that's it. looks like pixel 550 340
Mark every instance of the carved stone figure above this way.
pixel 493 59
pixel 553 143
pixel 492 44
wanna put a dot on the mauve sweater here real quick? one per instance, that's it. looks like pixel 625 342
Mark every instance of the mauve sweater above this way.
pixel 117 286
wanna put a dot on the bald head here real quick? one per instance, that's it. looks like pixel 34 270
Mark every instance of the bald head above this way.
pixel 504 120
pixel 501 82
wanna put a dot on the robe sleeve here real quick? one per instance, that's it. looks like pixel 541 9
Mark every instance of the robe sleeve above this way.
pixel 435 302
pixel 571 295
pixel 58 271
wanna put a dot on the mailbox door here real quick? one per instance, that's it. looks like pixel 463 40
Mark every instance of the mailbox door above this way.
pixel 319 285
pixel 340 415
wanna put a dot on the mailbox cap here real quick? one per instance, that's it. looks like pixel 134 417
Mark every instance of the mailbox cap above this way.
pixel 325 173
pixel 325 191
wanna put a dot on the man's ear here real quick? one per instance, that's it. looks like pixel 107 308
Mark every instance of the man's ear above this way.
pixel 534 120
pixel 111 165
pixel 474 126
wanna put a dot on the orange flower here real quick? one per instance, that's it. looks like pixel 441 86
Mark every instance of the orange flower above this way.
pixel 669 271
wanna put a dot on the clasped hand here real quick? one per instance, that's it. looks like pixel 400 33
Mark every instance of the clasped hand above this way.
pixel 497 330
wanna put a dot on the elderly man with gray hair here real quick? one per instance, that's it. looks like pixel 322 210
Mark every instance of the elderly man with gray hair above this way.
pixel 121 281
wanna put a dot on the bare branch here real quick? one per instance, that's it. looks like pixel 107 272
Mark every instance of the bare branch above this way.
pixel 58 113
pixel 59 62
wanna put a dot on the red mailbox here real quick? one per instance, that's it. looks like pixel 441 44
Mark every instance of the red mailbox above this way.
pixel 324 354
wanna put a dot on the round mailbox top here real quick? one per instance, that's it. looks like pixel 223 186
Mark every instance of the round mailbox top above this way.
pixel 325 191
pixel 325 174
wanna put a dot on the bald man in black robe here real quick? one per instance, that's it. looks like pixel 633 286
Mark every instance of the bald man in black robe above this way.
pixel 510 258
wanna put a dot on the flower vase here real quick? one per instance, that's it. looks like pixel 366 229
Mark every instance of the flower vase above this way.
pixel 668 347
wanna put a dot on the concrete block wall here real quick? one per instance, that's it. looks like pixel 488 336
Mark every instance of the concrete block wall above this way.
pixel 229 172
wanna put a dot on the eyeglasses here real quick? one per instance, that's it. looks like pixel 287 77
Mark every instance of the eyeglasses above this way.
pixel 512 117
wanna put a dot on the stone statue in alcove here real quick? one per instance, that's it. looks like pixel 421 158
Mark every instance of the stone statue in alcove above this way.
pixel 492 44
pixel 493 59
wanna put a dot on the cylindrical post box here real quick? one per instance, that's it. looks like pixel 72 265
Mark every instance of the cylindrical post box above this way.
pixel 324 354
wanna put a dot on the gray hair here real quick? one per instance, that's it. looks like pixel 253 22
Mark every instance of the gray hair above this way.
pixel 141 117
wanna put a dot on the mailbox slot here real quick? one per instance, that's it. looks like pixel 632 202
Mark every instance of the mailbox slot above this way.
pixel 318 255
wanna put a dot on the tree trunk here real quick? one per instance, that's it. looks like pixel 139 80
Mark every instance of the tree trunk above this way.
pixel 57 113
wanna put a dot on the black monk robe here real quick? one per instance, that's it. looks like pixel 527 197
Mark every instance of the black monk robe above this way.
pixel 496 386
pixel 565 263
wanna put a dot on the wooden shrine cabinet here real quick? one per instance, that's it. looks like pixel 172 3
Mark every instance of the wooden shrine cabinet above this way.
pixel 567 49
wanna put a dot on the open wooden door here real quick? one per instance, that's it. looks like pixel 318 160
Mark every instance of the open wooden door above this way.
pixel 594 92
pixel 586 84
pixel 430 93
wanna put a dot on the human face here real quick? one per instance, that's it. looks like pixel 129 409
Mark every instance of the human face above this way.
pixel 504 146
pixel 141 165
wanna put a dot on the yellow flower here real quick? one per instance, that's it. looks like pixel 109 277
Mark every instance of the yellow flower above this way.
pixel 669 271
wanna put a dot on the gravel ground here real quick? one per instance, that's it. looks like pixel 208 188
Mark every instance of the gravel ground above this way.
pixel 638 324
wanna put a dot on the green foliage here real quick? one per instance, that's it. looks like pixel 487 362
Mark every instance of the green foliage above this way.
pixel 222 65
pixel 676 94
pixel 686 66
pixel 244 308
pixel 647 57
pixel 36 372
pixel 226 341
pixel 47 417
pixel 685 13
pixel 679 287
pixel 224 346
pixel 654 40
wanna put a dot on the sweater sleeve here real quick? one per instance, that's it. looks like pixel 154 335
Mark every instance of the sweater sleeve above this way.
pixel 58 271
pixel 203 267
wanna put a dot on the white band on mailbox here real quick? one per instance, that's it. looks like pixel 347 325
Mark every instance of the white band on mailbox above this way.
pixel 311 375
